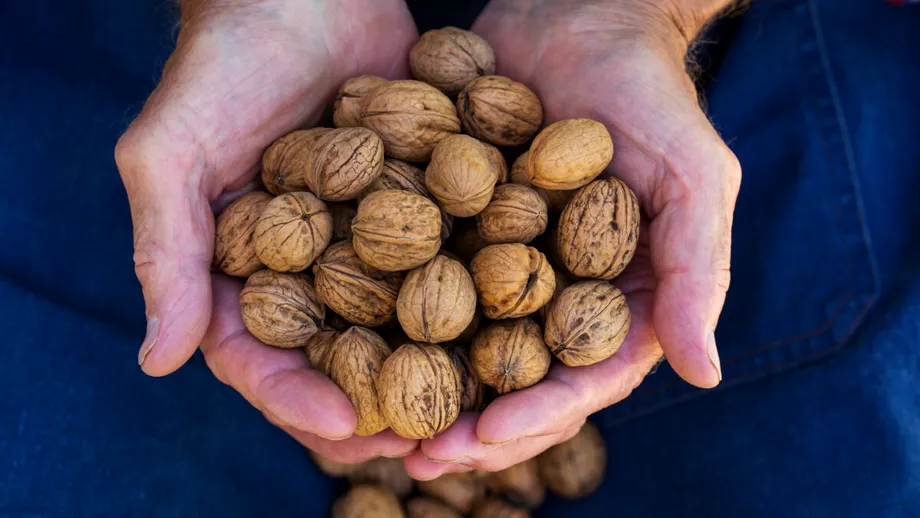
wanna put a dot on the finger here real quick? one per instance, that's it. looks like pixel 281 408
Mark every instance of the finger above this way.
pixel 277 381
pixel 355 449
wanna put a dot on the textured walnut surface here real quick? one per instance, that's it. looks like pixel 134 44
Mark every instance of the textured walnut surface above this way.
pixel 599 230
pixel 497 508
pixel 513 280
pixel 498 163
pixel 449 58
pixel 347 106
pixel 499 110
pixel 318 348
pixel 467 335
pixel 426 507
pixel 472 389
pixel 569 153
pixel 437 301
pixel 459 490
pixel 562 282
pixel 292 231
pixel 367 501
pixel 344 161
pixel 555 200
pixel 575 468
pixel 587 323
pixel 281 309
pixel 342 214
pixel 510 355
pixel 234 252
pixel 516 214
pixel 397 174
pixel 520 483
pixel 396 230
pixel 462 175
pixel 284 163
pixel 389 473
pixel 357 357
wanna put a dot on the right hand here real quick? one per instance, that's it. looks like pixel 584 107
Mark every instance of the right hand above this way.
pixel 243 74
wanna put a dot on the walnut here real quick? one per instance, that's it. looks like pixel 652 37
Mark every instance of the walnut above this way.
pixel 461 491
pixel 342 214
pixel 396 230
pixel 510 355
pixel 498 162
pixel 599 230
pixel 520 483
pixel 292 231
pixel 587 323
pixel 335 321
pixel 437 301
pixel 419 391
pixel 361 294
pixel 331 467
pixel 426 507
pixel 449 58
pixel 471 386
pixel 285 161
pixel 555 200
pixel 569 153
pixel 467 335
pixel 462 175
pixel 234 253
pixel 319 347
pixel 516 214
pixel 513 280
pixel 562 282
pixel 390 473
pixel 343 162
pixel 499 110
pixel 368 501
pixel 466 240
pixel 575 468
pixel 411 117
pixel 348 101
pixel 498 508
pixel 355 365
pixel 281 309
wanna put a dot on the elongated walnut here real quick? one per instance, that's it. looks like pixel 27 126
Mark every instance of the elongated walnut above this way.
pixel 555 200
pixel 520 483
pixel 360 293
pixel 473 391
pixel 292 231
pixel 575 468
pixel 513 280
pixel 437 301
pixel 344 161
pixel 516 214
pixel 347 107
pixel 284 163
pixel 357 357
pixel 396 230
pixel 419 391
pixel 368 501
pixel 498 508
pixel 389 473
pixel 234 253
pixel 499 110
pixel 427 507
pixel 569 153
pixel 510 355
pixel 281 309
pixel 449 58
pixel 587 323
pixel 461 491
pixel 318 348
pixel 462 175
pixel 599 230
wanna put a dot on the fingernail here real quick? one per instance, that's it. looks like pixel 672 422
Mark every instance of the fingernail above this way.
pixel 713 352
pixel 153 329
pixel 502 443
pixel 460 460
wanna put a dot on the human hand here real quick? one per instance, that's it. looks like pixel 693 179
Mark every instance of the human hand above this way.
pixel 243 73
pixel 621 62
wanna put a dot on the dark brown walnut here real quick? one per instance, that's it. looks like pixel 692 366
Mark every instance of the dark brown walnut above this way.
pixel 396 230
pixel 411 117
pixel 461 491
pixel 462 175
pixel 499 110
pixel 569 153
pixel 426 507
pixel 520 483
pixel 562 282
pixel 360 293
pixel 389 473
pixel 234 253
pixel 498 508
pixel 319 347
pixel 599 230
pixel 466 241
pixel 499 164
pixel 510 355
pixel 587 323
pixel 555 200
pixel 467 335
pixel 471 386
pixel 284 163
pixel 281 309
pixel 292 231
pixel 331 467
pixel 342 214
pixel 347 107
pixel 513 280
pixel 368 501
pixel 437 301
pixel 449 58
pixel 344 161
pixel 575 468
pixel 419 391
pixel 516 214
pixel 357 357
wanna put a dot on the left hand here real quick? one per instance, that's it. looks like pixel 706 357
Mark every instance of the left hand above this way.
pixel 620 62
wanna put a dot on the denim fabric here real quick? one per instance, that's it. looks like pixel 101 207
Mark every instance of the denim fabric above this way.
pixel 819 413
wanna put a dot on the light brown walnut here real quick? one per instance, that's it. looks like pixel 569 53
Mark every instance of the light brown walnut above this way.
pixel 587 323
pixel 575 468
pixel 389 473
pixel 498 163
pixel 449 58
pixel 473 390
pixel 467 335
pixel 516 214
pixel 281 309
pixel 284 163
pixel 347 107
pixel 318 348
pixel 292 231
pixel 555 200
pixel 462 491
pixel 513 280
pixel 498 508
pixel 357 357
pixel 437 301
pixel 510 355
pixel 344 161
pixel 499 110
pixel 520 483
pixel 569 153
pixel 368 501
pixel 462 175
pixel 234 252
pixel 396 230
pixel 427 507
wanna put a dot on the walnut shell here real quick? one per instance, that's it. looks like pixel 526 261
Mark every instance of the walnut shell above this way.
pixel 520 483
pixel 562 282
pixel 499 164
pixel 498 508
pixel 331 467
pixel 347 107
pixel 411 117
pixel 396 230
pixel 426 507
pixel 344 161
pixel 281 309
pixel 292 231
pixel 389 473
pixel 513 280
pixel 461 491
pixel 342 214
pixel 367 501
pixel 467 335
pixel 234 253
pixel 462 175
pixel 419 391
pixel 361 294
pixel 555 200
pixel 587 323
pixel 449 58
pixel 599 230
pixel 284 163
pixel 516 214
pixel 569 153
pixel 357 357
pixel 499 110
pixel 575 468
pixel 319 347
pixel 472 389
pixel 437 301
pixel 510 355
pixel 466 241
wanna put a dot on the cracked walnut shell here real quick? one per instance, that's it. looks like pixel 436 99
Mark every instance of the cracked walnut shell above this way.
pixel 234 253
pixel 292 231
pixel 343 162
pixel 499 110
pixel 449 58
pixel 587 323
pixel 281 309
pixel 367 501
pixel 355 365
pixel 462 175
pixel 284 163
pixel 396 230
pixel 569 153
pixel 516 214
pixel 575 468
pixel 347 106
pixel 437 301
pixel 510 355
pixel 513 280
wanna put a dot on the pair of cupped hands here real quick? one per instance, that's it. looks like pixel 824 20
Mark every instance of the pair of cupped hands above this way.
pixel 246 72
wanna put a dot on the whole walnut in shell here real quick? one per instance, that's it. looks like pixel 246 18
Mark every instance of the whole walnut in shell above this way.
pixel 396 230
pixel 411 117
pixel 462 175
pixel 599 230
pixel 461 491
pixel 449 58
pixel 355 365
pixel 344 161
pixel 587 323
pixel 510 355
pixel 368 501
pixel 331 467
pixel 467 335
pixel 292 231
pixel 562 282
pixel 426 507
pixel 342 214
pixel 284 163
pixel 513 280
pixel 499 110
pixel 575 468
pixel 389 473
pixel 318 348
pixel 499 164
pixel 520 483
pixel 347 107
pixel 281 309
pixel 555 200
pixel 516 214
pixel 234 253
pixel 360 293
pixel 419 391
pixel 437 301
pixel 569 153
pixel 498 508
pixel 472 389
